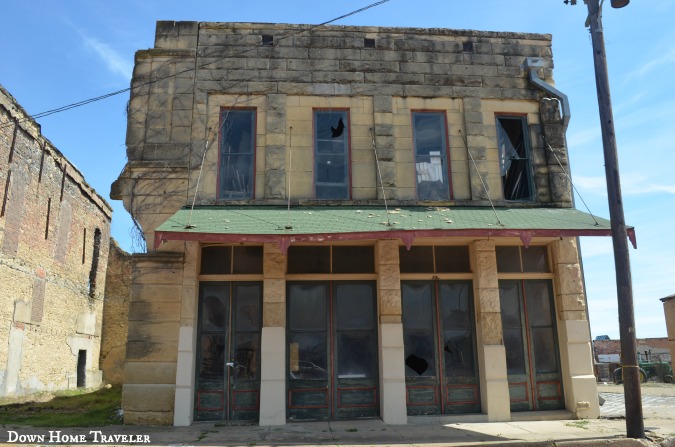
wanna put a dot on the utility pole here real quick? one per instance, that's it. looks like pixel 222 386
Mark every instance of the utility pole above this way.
pixel 631 372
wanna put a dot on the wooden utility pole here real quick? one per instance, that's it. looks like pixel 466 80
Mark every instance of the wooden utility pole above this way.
pixel 631 373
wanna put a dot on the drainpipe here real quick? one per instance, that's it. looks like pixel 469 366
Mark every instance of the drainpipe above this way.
pixel 532 64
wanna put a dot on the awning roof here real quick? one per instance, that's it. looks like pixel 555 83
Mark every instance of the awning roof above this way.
pixel 333 223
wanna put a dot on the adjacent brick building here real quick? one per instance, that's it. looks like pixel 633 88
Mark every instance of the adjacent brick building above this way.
pixel 54 232
pixel 343 257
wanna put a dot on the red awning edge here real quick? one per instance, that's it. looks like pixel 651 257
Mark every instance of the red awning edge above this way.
pixel 407 236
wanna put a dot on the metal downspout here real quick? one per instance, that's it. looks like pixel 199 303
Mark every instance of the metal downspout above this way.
pixel 532 64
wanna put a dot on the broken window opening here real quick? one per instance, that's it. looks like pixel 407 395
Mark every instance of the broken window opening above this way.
pixel 49 209
pixel 368 43
pixel 431 160
pixel 94 263
pixel 331 154
pixel 81 368
pixel 514 158
pixel 267 40
pixel 237 156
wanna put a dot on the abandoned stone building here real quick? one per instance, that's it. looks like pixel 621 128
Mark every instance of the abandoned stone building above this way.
pixel 54 232
pixel 352 222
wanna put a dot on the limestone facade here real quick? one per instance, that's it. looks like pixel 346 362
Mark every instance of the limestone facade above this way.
pixel 54 230
pixel 187 360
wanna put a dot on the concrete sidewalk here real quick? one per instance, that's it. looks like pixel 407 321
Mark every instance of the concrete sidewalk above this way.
pixel 360 433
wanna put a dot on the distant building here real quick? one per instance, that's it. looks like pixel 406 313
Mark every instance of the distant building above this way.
pixel 54 233
pixel 607 354
pixel 343 258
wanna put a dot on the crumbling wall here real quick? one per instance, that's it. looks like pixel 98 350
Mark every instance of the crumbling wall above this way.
pixel 48 219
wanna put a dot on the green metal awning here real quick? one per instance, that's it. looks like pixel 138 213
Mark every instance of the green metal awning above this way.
pixel 332 223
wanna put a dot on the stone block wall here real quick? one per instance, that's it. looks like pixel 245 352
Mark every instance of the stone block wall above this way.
pixel 53 257
pixel 380 74
pixel 116 314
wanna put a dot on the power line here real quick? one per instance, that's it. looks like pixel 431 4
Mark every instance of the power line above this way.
pixel 152 81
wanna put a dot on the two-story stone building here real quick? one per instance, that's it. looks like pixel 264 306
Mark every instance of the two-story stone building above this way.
pixel 54 233
pixel 352 222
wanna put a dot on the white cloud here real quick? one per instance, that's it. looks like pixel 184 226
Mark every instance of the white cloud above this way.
pixel 112 60
pixel 630 185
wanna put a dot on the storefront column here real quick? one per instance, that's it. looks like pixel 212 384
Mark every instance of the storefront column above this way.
pixel 185 365
pixel 273 342
pixel 494 386
pixel 392 369
pixel 574 335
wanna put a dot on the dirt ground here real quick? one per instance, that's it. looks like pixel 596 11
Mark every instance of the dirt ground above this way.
pixel 648 388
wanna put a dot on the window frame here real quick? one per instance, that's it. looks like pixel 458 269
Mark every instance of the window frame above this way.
pixel 447 173
pixel 254 142
pixel 348 149
pixel 522 117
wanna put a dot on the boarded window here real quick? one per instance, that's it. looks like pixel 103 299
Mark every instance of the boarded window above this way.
pixel 514 158
pixel 237 145
pixel 431 160
pixel 331 154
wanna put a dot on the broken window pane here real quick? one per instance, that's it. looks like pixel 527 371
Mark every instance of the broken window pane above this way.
pixel 418 338
pixel 331 158
pixel 514 157
pixel 457 329
pixel 247 306
pixel 431 161
pixel 237 145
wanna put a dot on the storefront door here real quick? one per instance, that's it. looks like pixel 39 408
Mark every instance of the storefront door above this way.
pixel 332 350
pixel 439 343
pixel 532 360
pixel 228 351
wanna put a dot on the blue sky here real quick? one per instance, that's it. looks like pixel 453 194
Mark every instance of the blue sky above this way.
pixel 56 53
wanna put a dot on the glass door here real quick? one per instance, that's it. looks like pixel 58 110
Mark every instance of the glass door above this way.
pixel 332 350
pixel 228 352
pixel 532 360
pixel 439 344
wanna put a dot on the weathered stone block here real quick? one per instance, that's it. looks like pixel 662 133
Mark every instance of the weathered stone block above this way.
pixel 150 372
pixel 274 314
pixel 390 302
pixel 275 158
pixel 275 184
pixel 389 277
pixel 145 397
pixel 569 279
pixel 274 290
pixel 491 328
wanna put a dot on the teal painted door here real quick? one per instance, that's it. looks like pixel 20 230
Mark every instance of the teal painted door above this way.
pixel 530 341
pixel 439 343
pixel 332 350
pixel 228 352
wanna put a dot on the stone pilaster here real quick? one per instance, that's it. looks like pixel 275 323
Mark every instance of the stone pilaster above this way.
pixel 556 151
pixel 476 145
pixel 490 347
pixel 148 394
pixel 273 341
pixel 185 365
pixel 392 370
pixel 574 335
pixel 275 138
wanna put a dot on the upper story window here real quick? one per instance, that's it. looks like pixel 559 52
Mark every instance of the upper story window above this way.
pixel 237 154
pixel 331 154
pixel 514 158
pixel 431 155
